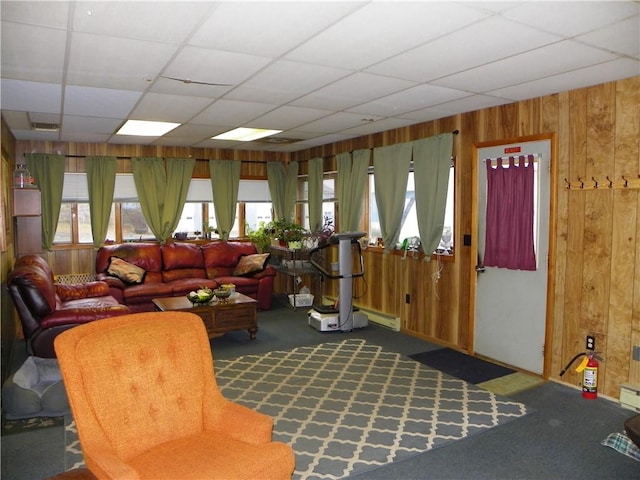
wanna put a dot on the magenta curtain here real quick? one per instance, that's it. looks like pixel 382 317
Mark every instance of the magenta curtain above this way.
pixel 509 218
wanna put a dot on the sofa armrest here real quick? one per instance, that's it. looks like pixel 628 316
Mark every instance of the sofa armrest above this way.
pixel 82 290
pixel 269 271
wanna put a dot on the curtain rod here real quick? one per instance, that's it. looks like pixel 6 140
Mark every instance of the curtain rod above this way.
pixel 129 158
pixel 455 132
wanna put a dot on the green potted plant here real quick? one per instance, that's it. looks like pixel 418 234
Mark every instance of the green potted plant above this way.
pixel 260 237
pixel 289 233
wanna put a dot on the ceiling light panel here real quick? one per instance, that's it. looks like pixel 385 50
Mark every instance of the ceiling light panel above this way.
pixel 243 134
pixel 145 128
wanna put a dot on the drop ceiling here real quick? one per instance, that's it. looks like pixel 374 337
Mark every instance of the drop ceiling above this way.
pixel 321 71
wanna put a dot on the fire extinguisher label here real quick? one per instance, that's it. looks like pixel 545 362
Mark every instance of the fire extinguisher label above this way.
pixel 590 378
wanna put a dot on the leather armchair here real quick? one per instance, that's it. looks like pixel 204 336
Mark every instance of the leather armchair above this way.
pixel 46 309
pixel 146 404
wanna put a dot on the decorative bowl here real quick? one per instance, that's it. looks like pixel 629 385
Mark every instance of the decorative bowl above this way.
pixel 203 295
pixel 222 294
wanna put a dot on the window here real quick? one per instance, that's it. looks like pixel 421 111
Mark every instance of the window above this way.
pixel 409 226
pixel 74 222
pixel 329 200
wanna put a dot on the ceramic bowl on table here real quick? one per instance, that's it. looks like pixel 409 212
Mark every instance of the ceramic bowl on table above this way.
pixel 202 295
pixel 222 294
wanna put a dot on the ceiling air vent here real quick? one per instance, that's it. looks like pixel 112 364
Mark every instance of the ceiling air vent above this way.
pixel 277 140
pixel 45 127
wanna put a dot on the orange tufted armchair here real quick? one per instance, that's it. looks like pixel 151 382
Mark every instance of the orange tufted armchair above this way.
pixel 143 394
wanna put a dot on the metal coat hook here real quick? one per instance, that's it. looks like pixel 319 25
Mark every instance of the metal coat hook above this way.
pixel 610 182
pixel 581 182
pixel 595 182
pixel 626 182
pixel 568 183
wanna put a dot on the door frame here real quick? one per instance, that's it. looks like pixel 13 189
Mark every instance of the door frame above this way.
pixel 551 270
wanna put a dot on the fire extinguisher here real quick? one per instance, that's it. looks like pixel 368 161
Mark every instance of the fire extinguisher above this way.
pixel 589 368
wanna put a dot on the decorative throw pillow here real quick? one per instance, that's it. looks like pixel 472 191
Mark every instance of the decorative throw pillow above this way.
pixel 125 271
pixel 251 264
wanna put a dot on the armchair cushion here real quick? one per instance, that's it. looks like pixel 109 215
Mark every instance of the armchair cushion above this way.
pixel 127 272
pixel 251 264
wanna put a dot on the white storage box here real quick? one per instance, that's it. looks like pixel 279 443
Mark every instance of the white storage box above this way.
pixel 301 300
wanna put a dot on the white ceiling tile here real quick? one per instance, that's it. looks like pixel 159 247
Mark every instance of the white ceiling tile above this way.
pixel 283 81
pixel 549 60
pixel 582 77
pixel 45 47
pixel 46 14
pixel 84 137
pixel 214 66
pixel 495 38
pixel 168 108
pixel 31 96
pixel 80 124
pixel 333 123
pixel 108 103
pixel 163 21
pixel 231 112
pixel 468 104
pixel 352 90
pixel 414 98
pixel 36 135
pixel 268 28
pixel 572 18
pixel 196 131
pixel 16 120
pixel 382 29
pixel 178 87
pixel 378 126
pixel 287 117
pixel 115 63
pixel 622 37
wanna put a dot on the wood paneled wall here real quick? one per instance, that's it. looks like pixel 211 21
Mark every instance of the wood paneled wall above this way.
pixel 596 285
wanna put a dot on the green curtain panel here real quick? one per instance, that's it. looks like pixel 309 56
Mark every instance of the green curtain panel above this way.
pixel 315 193
pixel 431 167
pixel 352 176
pixel 48 173
pixel 101 181
pixel 162 187
pixel 391 172
pixel 225 179
pixel 282 186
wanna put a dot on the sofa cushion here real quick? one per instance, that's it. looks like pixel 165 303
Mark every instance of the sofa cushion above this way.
pixel 127 272
pixel 181 255
pixel 145 255
pixel 251 263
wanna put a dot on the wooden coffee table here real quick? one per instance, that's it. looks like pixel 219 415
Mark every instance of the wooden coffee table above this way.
pixel 237 313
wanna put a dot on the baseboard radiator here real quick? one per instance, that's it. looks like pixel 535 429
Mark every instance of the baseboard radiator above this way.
pixel 379 318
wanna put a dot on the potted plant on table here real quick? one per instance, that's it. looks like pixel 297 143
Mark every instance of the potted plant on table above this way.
pixel 288 233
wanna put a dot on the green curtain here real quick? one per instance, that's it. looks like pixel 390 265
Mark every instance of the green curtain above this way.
pixel 48 173
pixel 101 180
pixel 352 176
pixel 316 175
pixel 283 184
pixel 391 171
pixel 225 179
pixel 162 187
pixel 431 167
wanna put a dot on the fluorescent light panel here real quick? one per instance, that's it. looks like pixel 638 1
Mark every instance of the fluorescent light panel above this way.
pixel 144 128
pixel 243 134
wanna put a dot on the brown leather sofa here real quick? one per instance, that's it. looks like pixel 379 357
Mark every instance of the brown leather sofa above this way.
pixel 176 268
pixel 47 309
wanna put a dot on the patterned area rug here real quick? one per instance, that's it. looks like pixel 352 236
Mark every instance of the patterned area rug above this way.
pixel 348 407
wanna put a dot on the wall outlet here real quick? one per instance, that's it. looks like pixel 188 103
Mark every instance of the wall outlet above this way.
pixel 591 342
pixel 407 298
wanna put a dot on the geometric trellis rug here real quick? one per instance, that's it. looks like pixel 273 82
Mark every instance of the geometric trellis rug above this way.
pixel 348 407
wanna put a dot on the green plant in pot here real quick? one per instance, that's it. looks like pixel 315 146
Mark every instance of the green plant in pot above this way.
pixel 260 237
pixel 288 233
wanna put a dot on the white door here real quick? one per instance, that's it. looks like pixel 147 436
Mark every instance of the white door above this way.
pixel 510 305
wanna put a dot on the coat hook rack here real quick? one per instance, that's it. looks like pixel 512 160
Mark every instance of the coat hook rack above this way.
pixel 622 182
